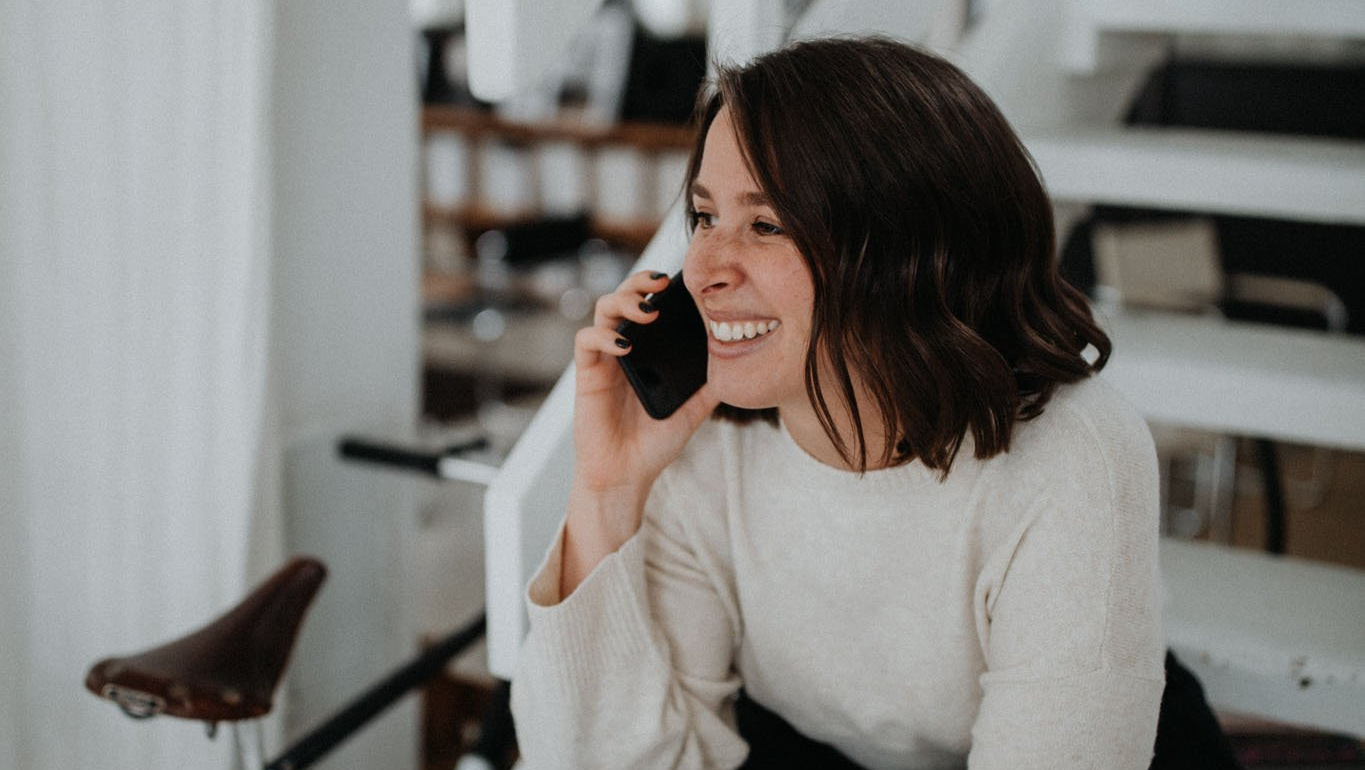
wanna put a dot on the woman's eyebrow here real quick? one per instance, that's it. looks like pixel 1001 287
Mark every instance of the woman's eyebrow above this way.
pixel 755 199
pixel 752 198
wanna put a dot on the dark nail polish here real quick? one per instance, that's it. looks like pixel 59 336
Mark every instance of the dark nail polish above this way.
pixel 657 276
pixel 646 307
pixel 622 342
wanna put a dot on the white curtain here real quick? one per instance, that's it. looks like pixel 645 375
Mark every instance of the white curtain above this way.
pixel 134 271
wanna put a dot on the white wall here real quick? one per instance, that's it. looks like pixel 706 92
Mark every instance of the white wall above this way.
pixel 346 345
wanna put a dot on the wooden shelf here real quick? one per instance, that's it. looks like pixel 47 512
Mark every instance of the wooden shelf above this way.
pixel 633 236
pixel 477 123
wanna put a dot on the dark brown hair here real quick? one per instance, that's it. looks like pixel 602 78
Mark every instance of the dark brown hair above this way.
pixel 929 240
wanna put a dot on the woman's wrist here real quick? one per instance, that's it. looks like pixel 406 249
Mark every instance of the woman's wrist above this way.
pixel 598 523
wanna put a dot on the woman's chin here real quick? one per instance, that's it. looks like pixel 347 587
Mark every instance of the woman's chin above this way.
pixel 742 397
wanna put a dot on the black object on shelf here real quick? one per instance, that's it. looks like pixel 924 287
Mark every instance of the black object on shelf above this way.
pixel 543 239
pixel 436 85
pixel 664 77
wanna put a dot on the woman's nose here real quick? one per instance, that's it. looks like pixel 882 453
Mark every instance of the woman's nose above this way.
pixel 711 263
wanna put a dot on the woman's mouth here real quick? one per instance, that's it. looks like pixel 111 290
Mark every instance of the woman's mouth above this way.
pixel 735 331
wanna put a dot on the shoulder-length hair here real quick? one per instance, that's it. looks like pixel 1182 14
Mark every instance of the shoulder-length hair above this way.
pixel 929 240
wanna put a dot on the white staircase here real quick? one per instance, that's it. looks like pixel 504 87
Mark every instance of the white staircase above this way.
pixel 1063 71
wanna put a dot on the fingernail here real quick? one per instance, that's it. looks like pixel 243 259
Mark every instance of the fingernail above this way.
pixel 657 276
pixel 646 307
pixel 622 342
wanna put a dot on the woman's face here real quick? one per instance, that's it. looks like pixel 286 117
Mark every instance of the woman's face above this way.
pixel 749 281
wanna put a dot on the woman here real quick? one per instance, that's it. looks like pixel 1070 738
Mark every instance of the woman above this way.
pixel 925 536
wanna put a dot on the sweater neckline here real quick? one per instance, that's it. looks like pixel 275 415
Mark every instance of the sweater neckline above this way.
pixel 808 467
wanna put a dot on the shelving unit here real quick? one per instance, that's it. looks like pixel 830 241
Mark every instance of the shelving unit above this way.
pixel 660 148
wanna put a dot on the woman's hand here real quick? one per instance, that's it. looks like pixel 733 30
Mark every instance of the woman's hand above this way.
pixel 619 449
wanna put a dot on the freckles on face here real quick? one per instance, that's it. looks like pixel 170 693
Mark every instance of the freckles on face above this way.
pixel 749 280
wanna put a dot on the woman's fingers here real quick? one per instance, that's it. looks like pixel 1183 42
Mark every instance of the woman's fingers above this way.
pixel 592 341
pixel 645 281
pixel 628 301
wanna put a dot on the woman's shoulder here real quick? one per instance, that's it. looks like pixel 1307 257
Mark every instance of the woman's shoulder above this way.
pixel 1086 464
pixel 1097 415
pixel 1086 426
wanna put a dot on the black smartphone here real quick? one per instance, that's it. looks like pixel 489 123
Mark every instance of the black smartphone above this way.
pixel 667 359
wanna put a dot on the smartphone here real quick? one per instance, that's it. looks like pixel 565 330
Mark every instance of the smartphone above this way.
pixel 667 359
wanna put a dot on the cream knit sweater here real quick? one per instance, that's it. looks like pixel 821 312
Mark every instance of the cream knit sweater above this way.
pixel 1004 618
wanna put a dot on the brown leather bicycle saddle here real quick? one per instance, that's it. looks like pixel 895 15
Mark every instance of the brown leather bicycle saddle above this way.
pixel 226 671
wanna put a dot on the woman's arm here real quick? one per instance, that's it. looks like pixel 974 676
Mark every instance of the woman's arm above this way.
pixel 1074 646
pixel 619 450
pixel 634 669
pixel 628 659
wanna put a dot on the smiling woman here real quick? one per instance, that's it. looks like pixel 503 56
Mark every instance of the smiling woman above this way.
pixel 937 547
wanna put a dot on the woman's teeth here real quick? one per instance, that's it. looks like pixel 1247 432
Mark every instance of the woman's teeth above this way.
pixel 726 331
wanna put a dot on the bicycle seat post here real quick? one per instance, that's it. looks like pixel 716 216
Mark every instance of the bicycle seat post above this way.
pixel 248 746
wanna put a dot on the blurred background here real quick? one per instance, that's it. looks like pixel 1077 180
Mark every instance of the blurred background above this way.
pixel 232 233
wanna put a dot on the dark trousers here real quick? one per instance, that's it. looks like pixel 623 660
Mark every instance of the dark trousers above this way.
pixel 1188 736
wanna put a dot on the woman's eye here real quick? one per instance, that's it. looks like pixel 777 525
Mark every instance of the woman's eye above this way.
pixel 768 228
pixel 702 220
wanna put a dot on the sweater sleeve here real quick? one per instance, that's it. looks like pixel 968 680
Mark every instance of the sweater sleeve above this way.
pixel 1073 643
pixel 633 669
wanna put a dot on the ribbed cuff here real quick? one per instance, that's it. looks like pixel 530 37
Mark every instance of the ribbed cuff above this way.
pixel 601 629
